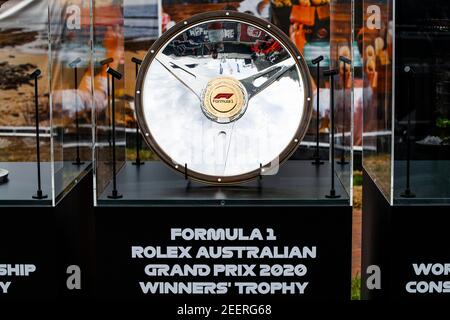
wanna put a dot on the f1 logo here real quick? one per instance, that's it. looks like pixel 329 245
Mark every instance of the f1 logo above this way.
pixel 223 96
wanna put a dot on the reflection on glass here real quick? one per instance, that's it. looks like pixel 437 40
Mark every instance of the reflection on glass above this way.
pixel 48 35
pixel 377 96
pixel 308 24
pixel 341 54
pixel 23 49
pixel 108 45
pixel 70 26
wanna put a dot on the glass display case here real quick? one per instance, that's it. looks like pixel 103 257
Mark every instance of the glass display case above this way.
pixel 326 28
pixel 156 164
pixel 406 100
pixel 45 99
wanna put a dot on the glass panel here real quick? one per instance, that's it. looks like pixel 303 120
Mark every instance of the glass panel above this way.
pixel 308 25
pixel 23 49
pixel 422 97
pixel 108 51
pixel 123 33
pixel 377 95
pixel 341 53
pixel 325 28
pixel 142 28
pixel 70 54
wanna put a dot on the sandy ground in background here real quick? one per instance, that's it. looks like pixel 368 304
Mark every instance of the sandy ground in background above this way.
pixel 17 106
pixel 356 233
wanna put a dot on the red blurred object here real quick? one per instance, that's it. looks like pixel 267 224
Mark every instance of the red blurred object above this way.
pixel 251 34
pixel 164 21
pixel 107 16
pixel 303 15
pixel 266 47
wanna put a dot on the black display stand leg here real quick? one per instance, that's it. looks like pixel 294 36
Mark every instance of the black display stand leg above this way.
pixel 316 158
pixel 106 62
pixel 346 61
pixel 408 193
pixel 331 74
pixel 137 161
pixel 114 75
pixel 39 194
pixel 74 64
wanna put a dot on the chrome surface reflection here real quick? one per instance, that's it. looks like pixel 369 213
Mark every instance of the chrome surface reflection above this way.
pixel 223 97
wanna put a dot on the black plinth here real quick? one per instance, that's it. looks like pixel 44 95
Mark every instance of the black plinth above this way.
pixel 406 233
pixel 328 227
pixel 49 238
pixel 295 208
pixel 297 183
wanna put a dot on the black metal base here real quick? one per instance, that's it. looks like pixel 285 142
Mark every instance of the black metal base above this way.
pixel 342 162
pixel 115 195
pixel 137 162
pixel 408 194
pixel 317 161
pixel 332 195
pixel 39 195
pixel 78 163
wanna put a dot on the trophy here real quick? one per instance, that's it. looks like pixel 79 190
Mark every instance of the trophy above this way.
pixel 223 97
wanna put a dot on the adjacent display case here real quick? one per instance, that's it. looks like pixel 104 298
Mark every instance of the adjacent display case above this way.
pixel 143 179
pixel 45 99
pixel 406 100
pixel 406 158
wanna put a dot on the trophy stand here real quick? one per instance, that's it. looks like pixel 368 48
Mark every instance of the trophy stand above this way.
pixel 137 161
pixel 114 75
pixel 73 65
pixel 106 62
pixel 39 194
pixel 408 193
pixel 346 61
pixel 316 158
pixel 332 73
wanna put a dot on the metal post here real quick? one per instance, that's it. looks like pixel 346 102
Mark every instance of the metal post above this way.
pixel 316 157
pixel 39 194
pixel 408 193
pixel 332 73
pixel 137 161
pixel 73 64
pixel 114 75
